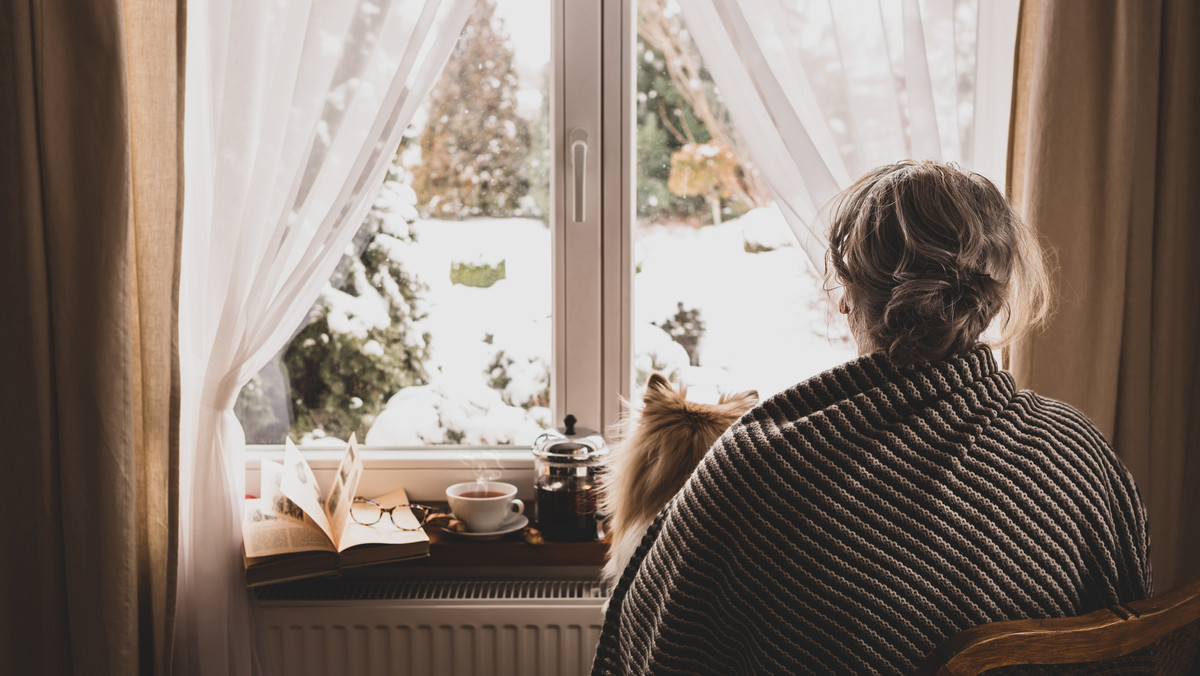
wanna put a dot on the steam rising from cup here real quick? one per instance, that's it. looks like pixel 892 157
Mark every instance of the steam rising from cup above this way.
pixel 485 465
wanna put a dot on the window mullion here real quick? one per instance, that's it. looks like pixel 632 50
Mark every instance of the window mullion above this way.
pixel 578 327
pixel 618 203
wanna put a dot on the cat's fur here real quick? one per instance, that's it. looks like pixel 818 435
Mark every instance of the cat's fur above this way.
pixel 655 452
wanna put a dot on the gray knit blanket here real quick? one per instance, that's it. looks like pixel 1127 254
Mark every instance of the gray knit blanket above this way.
pixel 853 522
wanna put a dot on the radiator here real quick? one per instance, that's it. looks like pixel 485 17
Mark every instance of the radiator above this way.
pixel 451 628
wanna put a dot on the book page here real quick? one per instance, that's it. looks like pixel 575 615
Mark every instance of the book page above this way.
pixel 384 532
pixel 299 485
pixel 264 534
pixel 270 492
pixel 342 492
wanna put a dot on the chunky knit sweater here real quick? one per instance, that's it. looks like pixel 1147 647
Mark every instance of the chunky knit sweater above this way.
pixel 853 522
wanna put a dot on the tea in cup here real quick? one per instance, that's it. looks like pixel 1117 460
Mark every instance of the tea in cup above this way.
pixel 484 505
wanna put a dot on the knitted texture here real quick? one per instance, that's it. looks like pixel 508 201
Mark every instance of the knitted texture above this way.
pixel 853 522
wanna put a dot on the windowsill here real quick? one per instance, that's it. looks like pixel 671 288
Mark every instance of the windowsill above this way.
pixel 424 473
pixel 416 457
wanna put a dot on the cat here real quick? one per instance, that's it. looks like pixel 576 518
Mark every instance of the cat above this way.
pixel 655 451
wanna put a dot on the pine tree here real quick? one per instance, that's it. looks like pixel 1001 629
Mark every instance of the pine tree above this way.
pixel 474 145
pixel 342 376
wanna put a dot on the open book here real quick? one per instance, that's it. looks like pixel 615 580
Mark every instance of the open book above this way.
pixel 291 531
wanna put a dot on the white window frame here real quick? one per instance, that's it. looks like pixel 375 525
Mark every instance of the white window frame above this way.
pixel 593 259
pixel 592 48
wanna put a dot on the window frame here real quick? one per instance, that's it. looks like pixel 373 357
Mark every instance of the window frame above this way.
pixel 592 59
pixel 593 262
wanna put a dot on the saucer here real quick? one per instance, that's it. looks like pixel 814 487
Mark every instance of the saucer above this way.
pixel 511 526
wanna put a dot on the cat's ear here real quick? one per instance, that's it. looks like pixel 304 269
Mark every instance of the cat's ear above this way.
pixel 657 385
pixel 748 398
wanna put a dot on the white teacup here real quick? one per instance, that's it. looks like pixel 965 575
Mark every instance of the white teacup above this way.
pixel 484 505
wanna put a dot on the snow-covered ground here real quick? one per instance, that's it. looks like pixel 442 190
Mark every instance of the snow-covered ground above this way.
pixel 470 328
pixel 767 324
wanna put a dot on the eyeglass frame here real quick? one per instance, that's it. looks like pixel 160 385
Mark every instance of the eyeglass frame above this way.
pixel 427 510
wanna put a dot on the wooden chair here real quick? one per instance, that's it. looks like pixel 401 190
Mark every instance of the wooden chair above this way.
pixel 1158 635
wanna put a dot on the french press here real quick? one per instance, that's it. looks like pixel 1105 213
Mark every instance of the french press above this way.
pixel 566 491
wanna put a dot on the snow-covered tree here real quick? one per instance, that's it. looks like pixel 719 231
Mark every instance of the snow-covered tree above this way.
pixel 364 341
pixel 474 144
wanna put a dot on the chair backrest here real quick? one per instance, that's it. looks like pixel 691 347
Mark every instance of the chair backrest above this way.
pixel 1157 635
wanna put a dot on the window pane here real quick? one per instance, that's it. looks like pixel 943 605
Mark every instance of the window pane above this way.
pixel 436 328
pixel 724 298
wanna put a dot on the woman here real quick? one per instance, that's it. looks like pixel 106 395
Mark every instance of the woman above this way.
pixel 855 521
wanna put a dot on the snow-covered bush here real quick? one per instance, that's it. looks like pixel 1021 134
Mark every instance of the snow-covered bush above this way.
pixel 480 276
pixel 521 381
pixel 657 352
pixel 764 229
pixel 447 412
pixel 685 327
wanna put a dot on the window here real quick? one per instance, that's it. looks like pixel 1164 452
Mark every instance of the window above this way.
pixel 436 326
pixel 709 240
pixel 571 210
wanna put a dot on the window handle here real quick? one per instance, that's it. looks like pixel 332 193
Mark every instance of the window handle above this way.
pixel 579 149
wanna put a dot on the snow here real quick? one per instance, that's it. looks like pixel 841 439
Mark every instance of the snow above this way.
pixel 657 351
pixel 471 329
pixel 529 103
pixel 316 439
pixel 356 315
pixel 399 199
pixel 768 324
pixel 761 229
pixel 411 418
pixel 454 412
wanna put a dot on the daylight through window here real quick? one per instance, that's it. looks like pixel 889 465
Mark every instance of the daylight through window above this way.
pixel 437 327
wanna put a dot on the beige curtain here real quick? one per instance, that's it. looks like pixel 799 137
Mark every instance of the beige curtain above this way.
pixel 1105 163
pixel 90 204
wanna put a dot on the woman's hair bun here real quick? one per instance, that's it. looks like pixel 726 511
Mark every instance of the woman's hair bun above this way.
pixel 929 255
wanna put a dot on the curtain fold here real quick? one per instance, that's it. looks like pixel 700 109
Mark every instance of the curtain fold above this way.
pixel 154 46
pixel 294 112
pixel 1105 160
pixel 822 92
pixel 90 140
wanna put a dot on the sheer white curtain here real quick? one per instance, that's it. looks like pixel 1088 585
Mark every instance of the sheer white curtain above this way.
pixel 294 109
pixel 824 90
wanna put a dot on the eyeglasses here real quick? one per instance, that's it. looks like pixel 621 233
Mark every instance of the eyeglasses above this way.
pixel 367 512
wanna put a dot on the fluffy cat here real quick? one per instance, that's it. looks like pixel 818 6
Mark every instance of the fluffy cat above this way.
pixel 657 449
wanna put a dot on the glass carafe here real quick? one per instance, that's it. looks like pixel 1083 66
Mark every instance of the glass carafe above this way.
pixel 566 487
